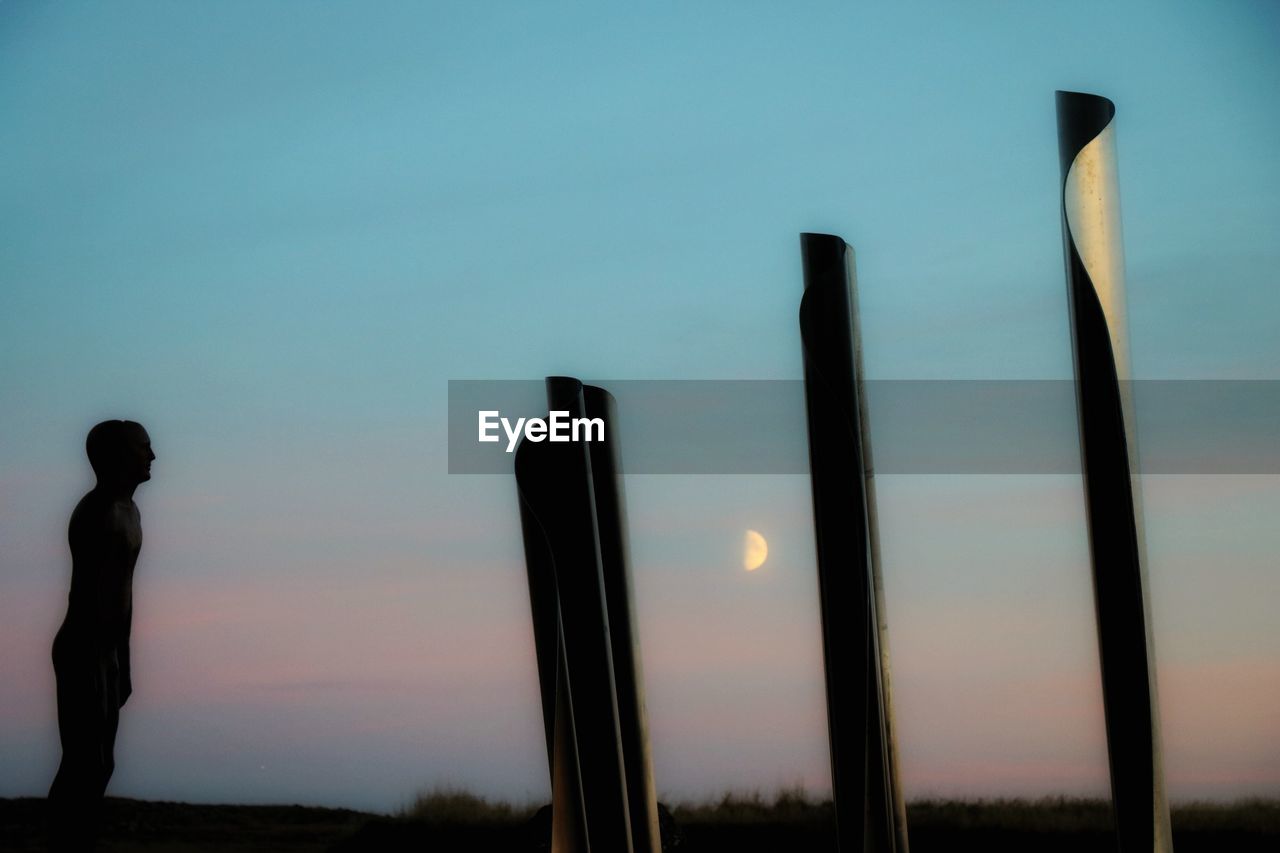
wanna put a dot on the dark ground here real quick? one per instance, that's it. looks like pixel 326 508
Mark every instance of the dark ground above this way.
pixel 728 825
pixel 138 825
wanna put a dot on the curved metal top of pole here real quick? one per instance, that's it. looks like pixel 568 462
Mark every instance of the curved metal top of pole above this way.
pixel 826 321
pixel 1091 211
pixel 1081 118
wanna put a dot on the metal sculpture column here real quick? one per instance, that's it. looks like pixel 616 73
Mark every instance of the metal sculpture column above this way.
pixel 1108 448
pixel 615 561
pixel 573 517
pixel 568 816
pixel 868 803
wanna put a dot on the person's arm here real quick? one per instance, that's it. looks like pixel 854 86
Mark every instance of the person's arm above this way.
pixel 122 655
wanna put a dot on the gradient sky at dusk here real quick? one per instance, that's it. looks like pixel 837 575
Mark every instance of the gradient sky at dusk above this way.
pixel 273 232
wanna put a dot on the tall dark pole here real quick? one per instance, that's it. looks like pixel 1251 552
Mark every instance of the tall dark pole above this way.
pixel 1108 447
pixel 554 481
pixel 568 827
pixel 864 781
pixel 615 559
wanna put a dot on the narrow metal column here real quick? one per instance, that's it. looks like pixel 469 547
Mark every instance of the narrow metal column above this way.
pixel 864 779
pixel 568 820
pixel 547 639
pixel 615 558
pixel 558 508
pixel 1094 257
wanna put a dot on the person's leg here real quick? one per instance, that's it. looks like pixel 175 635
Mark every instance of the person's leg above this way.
pixel 76 794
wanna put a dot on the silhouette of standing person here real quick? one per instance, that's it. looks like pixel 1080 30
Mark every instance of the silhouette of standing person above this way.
pixel 91 649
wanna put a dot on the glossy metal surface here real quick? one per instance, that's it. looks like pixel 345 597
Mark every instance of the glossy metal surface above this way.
pixel 567 592
pixel 868 807
pixel 1108 444
pixel 615 561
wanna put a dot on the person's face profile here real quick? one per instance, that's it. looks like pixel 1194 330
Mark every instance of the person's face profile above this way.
pixel 137 455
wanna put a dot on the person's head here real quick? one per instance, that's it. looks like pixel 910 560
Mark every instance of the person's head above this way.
pixel 120 452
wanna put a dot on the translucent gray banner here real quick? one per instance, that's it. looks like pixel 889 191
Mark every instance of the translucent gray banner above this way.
pixel 917 426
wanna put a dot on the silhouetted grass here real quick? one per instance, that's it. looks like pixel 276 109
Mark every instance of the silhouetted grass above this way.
pixel 787 805
pixel 791 819
pixel 1251 815
pixel 1045 814
pixel 456 806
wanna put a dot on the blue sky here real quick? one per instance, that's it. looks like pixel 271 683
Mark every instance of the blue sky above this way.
pixel 272 233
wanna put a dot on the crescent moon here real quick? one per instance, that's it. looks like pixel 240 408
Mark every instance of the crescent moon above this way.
pixel 755 550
